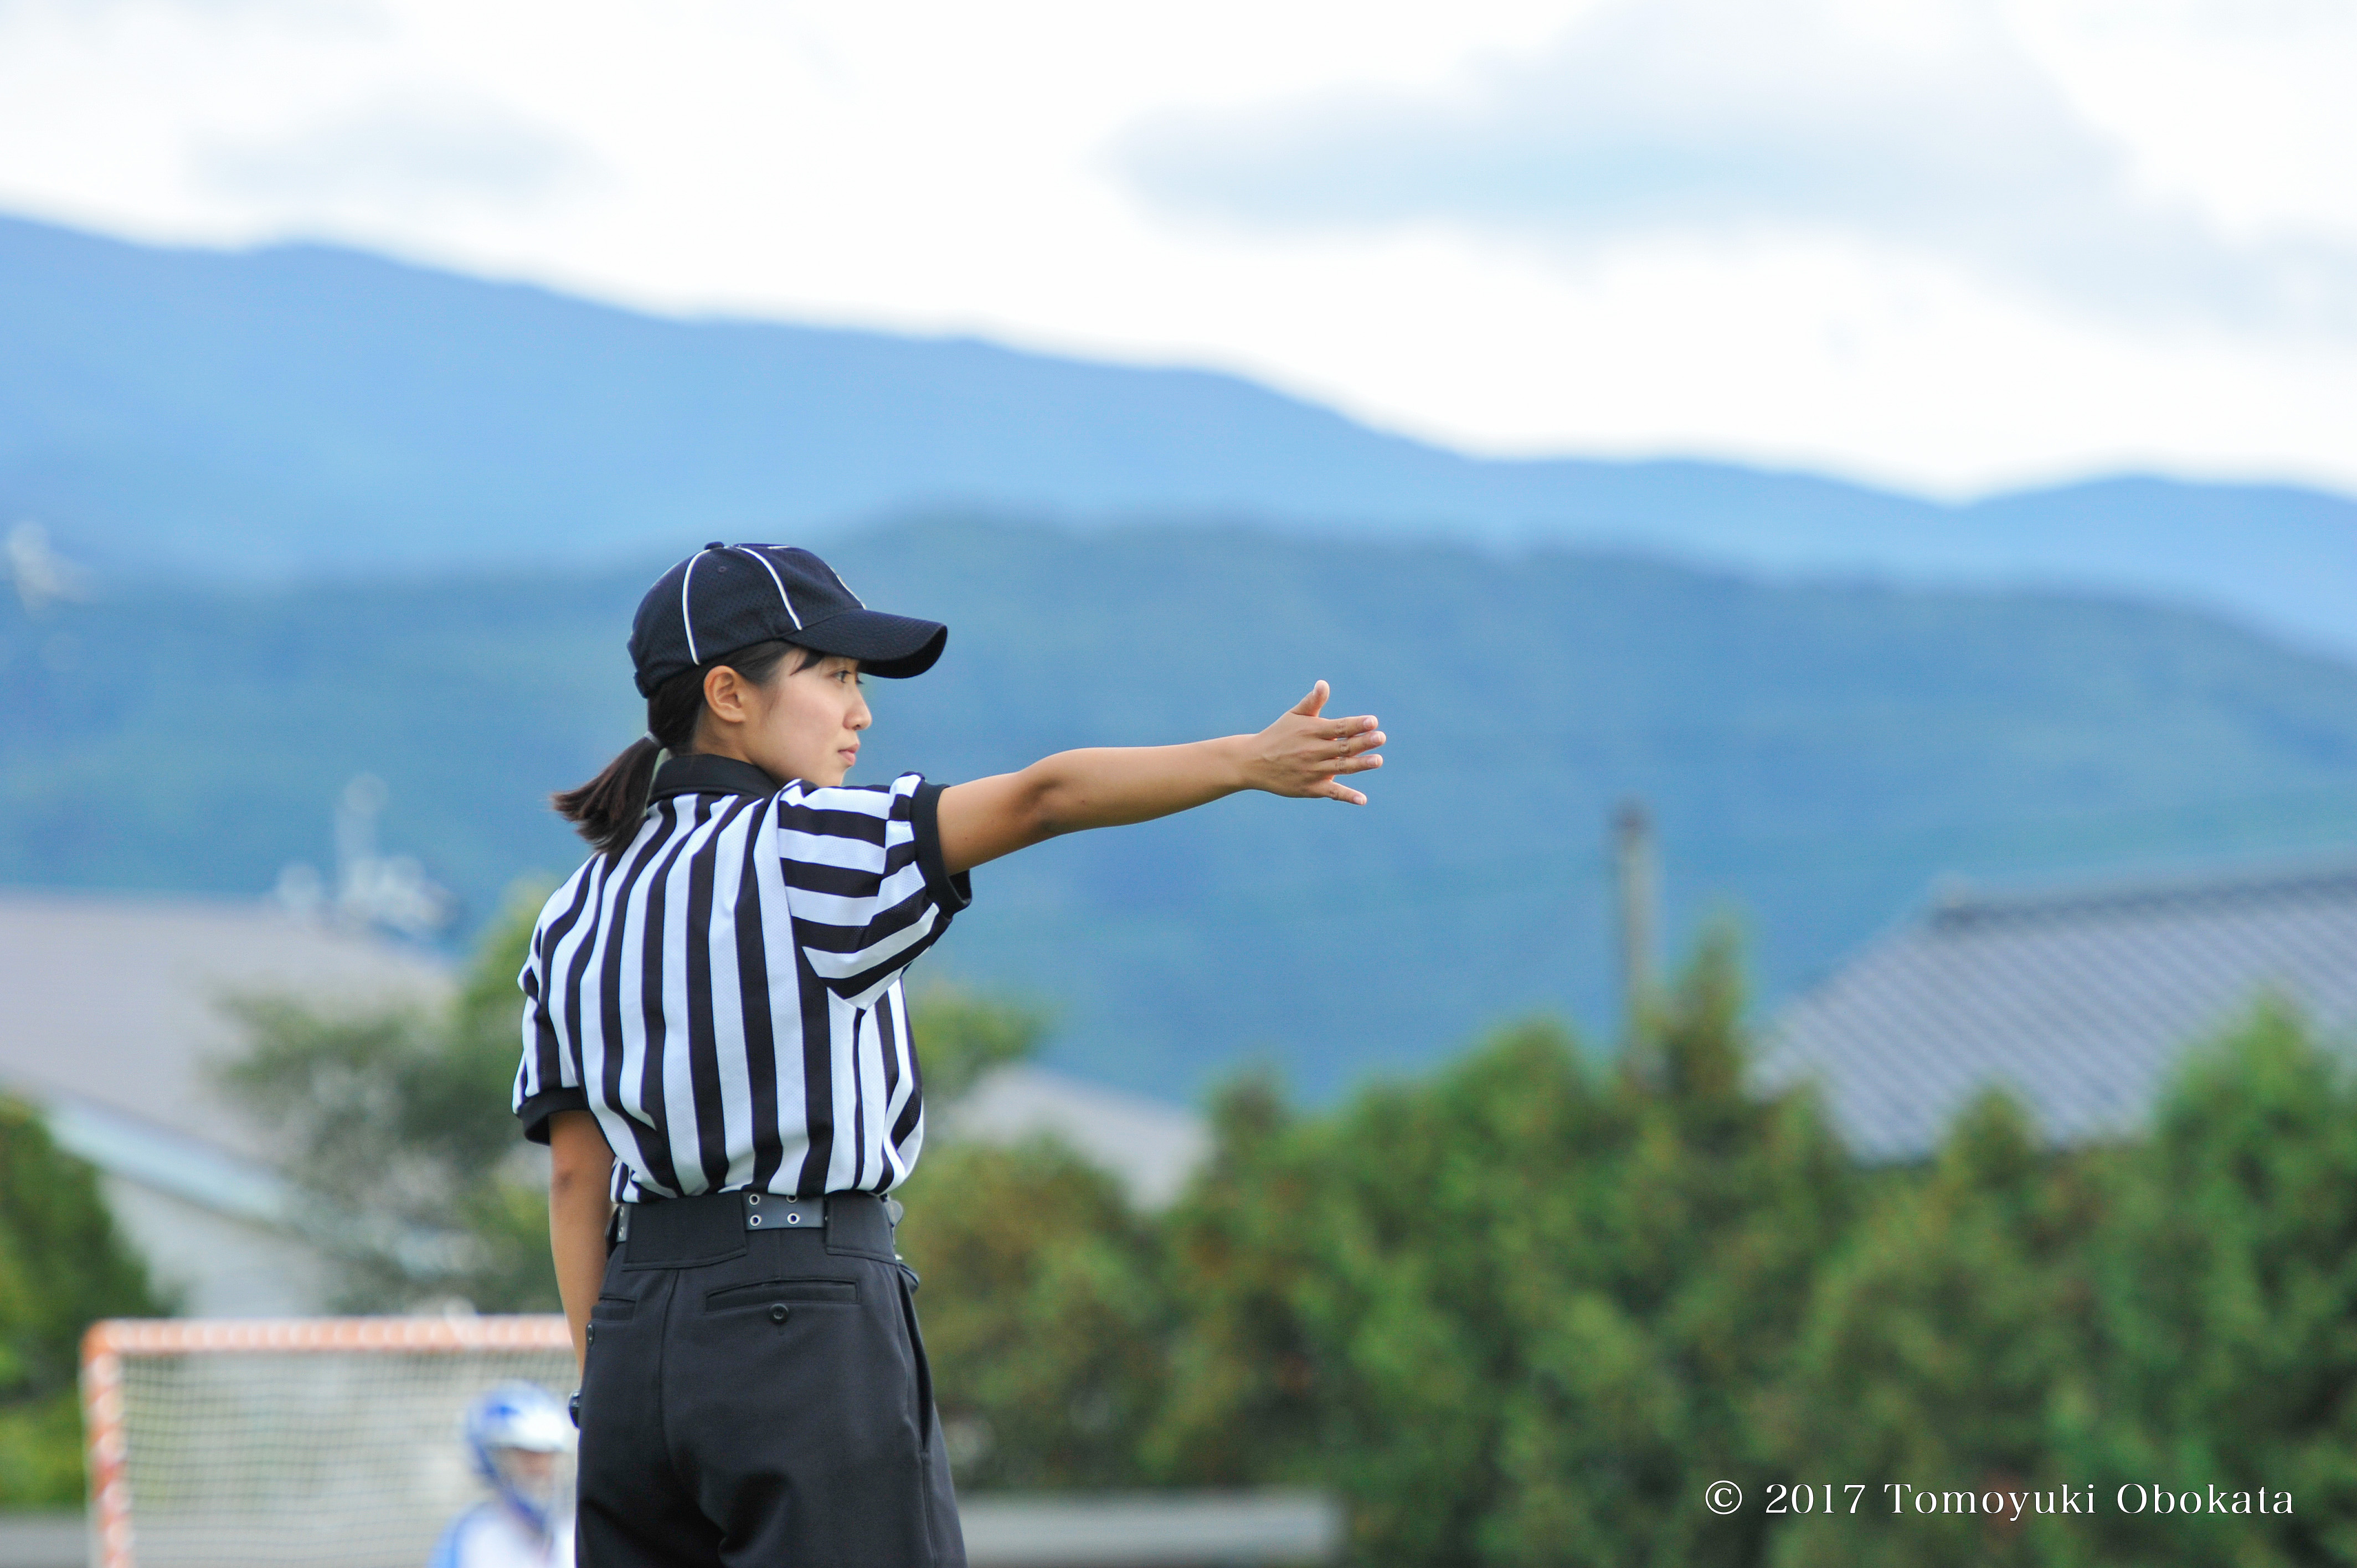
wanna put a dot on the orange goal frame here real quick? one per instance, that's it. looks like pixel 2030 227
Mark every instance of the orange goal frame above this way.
pixel 106 1344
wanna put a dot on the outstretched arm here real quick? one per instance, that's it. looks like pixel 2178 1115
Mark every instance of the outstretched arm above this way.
pixel 1302 754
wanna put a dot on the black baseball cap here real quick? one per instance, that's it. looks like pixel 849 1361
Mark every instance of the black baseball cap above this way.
pixel 727 596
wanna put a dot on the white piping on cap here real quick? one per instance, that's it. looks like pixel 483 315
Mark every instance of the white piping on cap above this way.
pixel 686 615
pixel 845 586
pixel 772 571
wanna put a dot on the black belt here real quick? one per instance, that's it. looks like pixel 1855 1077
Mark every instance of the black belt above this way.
pixel 714 1225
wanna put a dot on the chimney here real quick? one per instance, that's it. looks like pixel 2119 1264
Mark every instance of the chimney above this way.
pixel 1640 896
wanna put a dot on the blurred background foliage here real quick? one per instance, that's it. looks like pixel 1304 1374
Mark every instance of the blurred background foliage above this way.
pixel 394 1125
pixel 1525 1310
pixel 62 1266
pixel 1522 1310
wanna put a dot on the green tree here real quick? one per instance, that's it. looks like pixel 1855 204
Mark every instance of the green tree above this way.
pixel 1044 1320
pixel 397 1120
pixel 962 1035
pixel 2173 1311
pixel 2225 1294
pixel 1241 1406
pixel 1518 1313
pixel 63 1265
pixel 1938 1351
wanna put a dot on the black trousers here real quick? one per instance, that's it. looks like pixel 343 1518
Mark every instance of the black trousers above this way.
pixel 761 1397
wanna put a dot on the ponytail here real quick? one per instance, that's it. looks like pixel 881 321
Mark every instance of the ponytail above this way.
pixel 607 808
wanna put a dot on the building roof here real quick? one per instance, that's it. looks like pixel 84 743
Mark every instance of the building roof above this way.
pixel 1152 1146
pixel 112 1002
pixel 190 1169
pixel 2081 999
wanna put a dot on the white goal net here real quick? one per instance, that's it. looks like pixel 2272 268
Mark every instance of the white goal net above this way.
pixel 325 1442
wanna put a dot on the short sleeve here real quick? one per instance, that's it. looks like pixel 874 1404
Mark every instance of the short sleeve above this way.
pixel 534 1113
pixel 868 884
pixel 546 1079
pixel 953 892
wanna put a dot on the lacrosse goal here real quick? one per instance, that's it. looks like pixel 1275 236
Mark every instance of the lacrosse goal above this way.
pixel 328 1442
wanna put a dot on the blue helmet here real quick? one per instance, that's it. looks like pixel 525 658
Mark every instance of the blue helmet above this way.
pixel 509 1427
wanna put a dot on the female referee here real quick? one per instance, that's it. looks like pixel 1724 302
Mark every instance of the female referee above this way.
pixel 716 1050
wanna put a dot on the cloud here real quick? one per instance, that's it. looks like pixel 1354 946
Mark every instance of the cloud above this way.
pixel 1920 126
pixel 409 155
pixel 342 13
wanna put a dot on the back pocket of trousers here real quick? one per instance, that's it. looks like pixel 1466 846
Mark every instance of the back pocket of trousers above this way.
pixel 924 1370
pixel 792 1293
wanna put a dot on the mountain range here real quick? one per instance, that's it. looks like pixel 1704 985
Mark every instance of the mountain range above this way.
pixel 299 410
pixel 324 514
pixel 1815 754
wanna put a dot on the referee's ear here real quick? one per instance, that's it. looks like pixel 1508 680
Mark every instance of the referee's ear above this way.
pixel 724 696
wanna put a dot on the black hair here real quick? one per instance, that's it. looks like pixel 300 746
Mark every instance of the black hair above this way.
pixel 607 810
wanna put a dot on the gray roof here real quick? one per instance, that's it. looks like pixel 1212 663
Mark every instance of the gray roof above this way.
pixel 171 1163
pixel 112 1001
pixel 1152 1146
pixel 2081 999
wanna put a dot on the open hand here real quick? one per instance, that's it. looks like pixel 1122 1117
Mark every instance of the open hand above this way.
pixel 1304 754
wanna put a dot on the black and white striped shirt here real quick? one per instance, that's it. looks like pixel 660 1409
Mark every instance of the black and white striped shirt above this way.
pixel 724 994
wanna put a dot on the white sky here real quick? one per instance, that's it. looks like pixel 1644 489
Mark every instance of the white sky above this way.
pixel 1953 244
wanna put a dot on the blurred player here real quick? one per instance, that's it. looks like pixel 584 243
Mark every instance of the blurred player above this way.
pixel 517 1434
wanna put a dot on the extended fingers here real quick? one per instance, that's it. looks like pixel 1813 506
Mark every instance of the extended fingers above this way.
pixel 1322 750
pixel 1354 753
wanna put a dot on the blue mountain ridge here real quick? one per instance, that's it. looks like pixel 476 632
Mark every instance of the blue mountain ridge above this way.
pixel 1816 754
pixel 302 409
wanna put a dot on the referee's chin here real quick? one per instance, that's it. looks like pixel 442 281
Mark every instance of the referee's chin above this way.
pixel 821 773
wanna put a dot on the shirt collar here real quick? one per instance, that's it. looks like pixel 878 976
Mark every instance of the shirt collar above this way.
pixel 699 774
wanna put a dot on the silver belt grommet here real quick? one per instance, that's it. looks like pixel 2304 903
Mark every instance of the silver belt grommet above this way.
pixel 755 1222
pixel 792 1218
